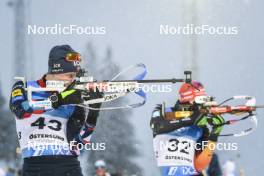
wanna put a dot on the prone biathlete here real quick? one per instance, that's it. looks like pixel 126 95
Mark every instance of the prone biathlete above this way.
pixel 184 146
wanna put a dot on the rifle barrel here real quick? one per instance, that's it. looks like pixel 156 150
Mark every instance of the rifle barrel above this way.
pixel 173 80
pixel 259 106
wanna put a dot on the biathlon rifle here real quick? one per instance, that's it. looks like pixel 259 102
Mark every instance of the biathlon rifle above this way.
pixel 112 89
pixel 208 106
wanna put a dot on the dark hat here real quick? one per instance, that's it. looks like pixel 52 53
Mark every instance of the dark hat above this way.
pixel 58 62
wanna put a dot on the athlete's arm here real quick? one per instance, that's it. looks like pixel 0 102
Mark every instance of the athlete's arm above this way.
pixel 75 123
pixel 91 120
pixel 88 127
pixel 203 158
pixel 18 103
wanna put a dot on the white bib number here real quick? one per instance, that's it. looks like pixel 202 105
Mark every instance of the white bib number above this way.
pixel 42 130
pixel 173 150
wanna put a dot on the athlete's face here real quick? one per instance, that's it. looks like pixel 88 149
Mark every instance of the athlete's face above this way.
pixel 100 171
pixel 67 77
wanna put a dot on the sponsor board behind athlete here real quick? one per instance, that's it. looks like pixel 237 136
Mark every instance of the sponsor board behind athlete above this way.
pixel 179 144
pixel 46 136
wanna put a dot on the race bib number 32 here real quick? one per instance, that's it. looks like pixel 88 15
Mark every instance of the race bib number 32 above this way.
pixel 174 151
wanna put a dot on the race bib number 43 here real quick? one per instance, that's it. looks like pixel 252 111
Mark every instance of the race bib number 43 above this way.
pixel 41 130
pixel 174 151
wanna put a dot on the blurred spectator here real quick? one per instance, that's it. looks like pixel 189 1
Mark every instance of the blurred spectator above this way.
pixel 229 168
pixel 2 172
pixel 10 172
pixel 100 168
pixel 19 172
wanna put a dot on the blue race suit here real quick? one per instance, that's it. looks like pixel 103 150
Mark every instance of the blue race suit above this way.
pixel 46 135
pixel 174 147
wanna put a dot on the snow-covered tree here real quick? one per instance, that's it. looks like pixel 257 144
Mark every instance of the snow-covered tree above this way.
pixel 8 137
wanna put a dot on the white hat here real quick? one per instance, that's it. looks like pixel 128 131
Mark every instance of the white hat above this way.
pixel 100 163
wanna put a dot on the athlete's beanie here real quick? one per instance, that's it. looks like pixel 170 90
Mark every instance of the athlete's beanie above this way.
pixel 57 61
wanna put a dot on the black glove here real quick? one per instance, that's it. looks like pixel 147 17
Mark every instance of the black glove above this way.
pixel 93 113
pixel 91 95
pixel 66 97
